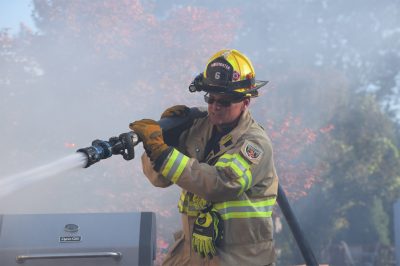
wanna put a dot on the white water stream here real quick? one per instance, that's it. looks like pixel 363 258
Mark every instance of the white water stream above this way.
pixel 15 182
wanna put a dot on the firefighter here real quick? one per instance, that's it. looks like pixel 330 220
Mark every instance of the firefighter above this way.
pixel 224 164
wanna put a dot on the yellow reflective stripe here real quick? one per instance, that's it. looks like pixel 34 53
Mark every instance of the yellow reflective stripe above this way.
pixel 241 203
pixel 242 161
pixel 170 162
pixel 236 168
pixel 237 215
pixel 249 177
pixel 175 165
pixel 222 164
pixel 244 174
pixel 245 208
pixel 180 169
pixel 240 167
pixel 228 158
pixel 242 185
pixel 247 174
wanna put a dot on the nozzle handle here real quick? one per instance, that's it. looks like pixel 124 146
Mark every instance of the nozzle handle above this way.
pixel 129 140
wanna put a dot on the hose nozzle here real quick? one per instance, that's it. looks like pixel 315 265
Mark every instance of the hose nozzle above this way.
pixel 101 149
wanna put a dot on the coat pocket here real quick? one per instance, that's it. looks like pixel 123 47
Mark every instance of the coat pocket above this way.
pixel 252 230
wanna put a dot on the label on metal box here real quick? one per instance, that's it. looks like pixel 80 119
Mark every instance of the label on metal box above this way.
pixel 67 239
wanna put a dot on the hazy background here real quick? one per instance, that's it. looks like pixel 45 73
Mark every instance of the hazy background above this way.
pixel 84 70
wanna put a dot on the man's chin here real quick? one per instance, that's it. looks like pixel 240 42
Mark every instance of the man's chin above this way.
pixel 215 121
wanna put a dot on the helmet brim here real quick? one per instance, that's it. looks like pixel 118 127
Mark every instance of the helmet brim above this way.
pixel 236 92
pixel 260 83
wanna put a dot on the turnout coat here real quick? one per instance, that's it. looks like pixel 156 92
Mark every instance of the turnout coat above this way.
pixel 238 177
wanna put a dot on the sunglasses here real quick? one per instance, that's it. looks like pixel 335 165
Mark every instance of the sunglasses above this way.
pixel 222 102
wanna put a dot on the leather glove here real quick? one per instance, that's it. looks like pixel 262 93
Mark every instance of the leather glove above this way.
pixel 207 233
pixel 176 111
pixel 149 131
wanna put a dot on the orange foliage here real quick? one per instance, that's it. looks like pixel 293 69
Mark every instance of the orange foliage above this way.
pixel 291 141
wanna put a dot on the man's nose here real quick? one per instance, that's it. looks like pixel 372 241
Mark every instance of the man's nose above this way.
pixel 216 105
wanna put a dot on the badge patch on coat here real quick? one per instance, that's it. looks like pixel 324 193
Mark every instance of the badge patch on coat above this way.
pixel 252 152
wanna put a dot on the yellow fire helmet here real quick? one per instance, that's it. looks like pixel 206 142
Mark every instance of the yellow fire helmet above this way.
pixel 228 72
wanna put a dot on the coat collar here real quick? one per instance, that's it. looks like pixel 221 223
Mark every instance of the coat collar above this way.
pixel 232 137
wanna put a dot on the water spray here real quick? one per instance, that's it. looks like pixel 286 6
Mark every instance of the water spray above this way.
pixel 10 184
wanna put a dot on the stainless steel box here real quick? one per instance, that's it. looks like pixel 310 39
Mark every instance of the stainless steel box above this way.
pixel 83 239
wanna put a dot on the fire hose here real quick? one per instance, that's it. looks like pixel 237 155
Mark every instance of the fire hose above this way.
pixel 124 145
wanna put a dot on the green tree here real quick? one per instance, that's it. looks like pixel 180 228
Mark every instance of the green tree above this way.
pixel 353 202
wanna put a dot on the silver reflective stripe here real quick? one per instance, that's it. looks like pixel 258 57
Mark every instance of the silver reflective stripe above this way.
pixel 233 159
pixel 223 160
pixel 242 171
pixel 247 209
pixel 175 166
pixel 239 164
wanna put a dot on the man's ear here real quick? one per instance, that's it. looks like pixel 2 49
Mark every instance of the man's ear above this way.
pixel 246 103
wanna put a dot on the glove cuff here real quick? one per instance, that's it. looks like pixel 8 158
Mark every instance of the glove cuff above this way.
pixel 161 158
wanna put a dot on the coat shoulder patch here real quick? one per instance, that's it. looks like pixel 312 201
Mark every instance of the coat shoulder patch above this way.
pixel 251 151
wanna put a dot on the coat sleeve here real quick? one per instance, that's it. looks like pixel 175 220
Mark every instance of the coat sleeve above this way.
pixel 236 171
pixel 155 178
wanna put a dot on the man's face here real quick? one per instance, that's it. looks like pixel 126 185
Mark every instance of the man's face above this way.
pixel 220 114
